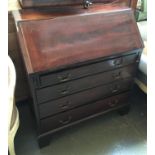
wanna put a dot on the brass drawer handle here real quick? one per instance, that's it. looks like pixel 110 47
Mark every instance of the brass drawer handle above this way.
pixel 113 103
pixel 65 106
pixel 66 121
pixel 64 92
pixel 118 62
pixel 115 88
pixel 117 75
pixel 64 77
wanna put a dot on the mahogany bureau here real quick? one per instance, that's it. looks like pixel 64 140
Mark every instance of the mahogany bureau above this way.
pixel 80 63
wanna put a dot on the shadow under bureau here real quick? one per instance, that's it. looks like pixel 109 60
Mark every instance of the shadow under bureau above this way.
pixel 80 63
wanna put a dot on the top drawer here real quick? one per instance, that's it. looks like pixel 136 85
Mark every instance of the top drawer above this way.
pixel 78 72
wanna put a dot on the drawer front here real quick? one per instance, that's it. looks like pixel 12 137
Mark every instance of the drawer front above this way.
pixel 71 74
pixel 82 112
pixel 75 100
pixel 65 89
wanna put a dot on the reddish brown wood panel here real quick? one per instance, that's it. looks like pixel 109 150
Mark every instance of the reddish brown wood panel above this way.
pixel 73 39
pixel 133 4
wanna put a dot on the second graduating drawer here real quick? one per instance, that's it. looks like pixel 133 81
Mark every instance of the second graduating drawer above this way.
pixel 65 89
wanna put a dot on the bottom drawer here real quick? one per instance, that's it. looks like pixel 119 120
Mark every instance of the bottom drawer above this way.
pixel 71 116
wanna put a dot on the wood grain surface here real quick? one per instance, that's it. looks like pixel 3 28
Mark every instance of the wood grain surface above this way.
pixel 73 39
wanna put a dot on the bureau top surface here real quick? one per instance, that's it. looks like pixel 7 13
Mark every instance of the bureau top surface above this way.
pixel 37 3
pixel 59 41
